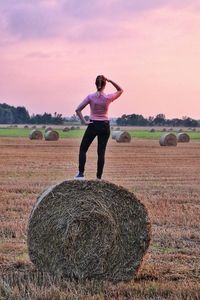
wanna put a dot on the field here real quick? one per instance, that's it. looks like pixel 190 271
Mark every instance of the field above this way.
pixel 165 179
pixel 136 132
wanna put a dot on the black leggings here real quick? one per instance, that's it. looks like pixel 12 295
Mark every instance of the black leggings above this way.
pixel 101 129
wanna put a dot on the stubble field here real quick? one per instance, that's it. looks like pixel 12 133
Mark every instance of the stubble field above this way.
pixel 165 179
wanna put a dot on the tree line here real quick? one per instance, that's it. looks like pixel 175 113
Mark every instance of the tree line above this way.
pixel 20 115
pixel 159 120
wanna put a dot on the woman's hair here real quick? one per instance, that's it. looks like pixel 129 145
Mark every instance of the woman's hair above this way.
pixel 100 82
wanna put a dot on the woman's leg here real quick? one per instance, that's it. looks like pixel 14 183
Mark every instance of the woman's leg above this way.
pixel 103 137
pixel 88 137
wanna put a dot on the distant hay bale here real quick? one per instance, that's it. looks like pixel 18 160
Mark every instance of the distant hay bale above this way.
pixel 35 135
pixel 26 126
pixel 164 130
pixel 114 134
pixel 152 130
pixel 51 135
pixel 193 129
pixel 72 127
pixel 183 137
pixel 180 130
pixel 88 230
pixel 168 139
pixel 34 127
pixel 123 137
pixel 65 129
pixel 48 129
pixel 117 128
pixel 44 126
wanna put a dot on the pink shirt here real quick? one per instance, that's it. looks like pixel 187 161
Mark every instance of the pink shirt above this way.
pixel 99 103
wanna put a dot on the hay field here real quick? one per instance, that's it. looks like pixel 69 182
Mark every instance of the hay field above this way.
pixel 166 180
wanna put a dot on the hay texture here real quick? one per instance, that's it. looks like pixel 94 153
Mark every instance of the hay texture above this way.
pixel 83 229
pixel 65 129
pixel 123 137
pixel 35 135
pixel 48 129
pixel 183 137
pixel 114 134
pixel 168 139
pixel 51 135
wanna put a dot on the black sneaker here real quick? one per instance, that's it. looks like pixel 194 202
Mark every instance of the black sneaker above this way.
pixel 79 176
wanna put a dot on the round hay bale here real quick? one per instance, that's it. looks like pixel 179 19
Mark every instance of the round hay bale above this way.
pixel 51 135
pixel 152 130
pixel 114 134
pixel 183 137
pixel 123 137
pixel 66 129
pixel 44 126
pixel 48 129
pixel 26 126
pixel 72 127
pixel 35 135
pixel 164 130
pixel 180 130
pixel 88 229
pixel 193 129
pixel 34 127
pixel 168 139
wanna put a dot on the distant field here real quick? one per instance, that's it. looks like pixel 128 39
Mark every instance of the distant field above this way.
pixel 77 133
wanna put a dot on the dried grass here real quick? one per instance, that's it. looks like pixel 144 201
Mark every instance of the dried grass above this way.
pixel 183 137
pixel 48 129
pixel 121 136
pixel 88 229
pixel 65 129
pixel 114 134
pixel 35 135
pixel 168 139
pixel 51 135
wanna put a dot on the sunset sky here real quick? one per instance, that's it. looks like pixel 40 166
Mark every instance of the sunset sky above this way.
pixel 51 52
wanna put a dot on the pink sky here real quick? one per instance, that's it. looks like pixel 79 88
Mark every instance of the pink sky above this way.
pixel 51 52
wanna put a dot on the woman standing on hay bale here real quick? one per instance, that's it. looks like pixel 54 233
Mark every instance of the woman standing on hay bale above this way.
pixel 98 125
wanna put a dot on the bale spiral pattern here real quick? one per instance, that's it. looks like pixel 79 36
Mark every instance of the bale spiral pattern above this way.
pixel 88 229
pixel 121 136
pixel 51 135
pixel 168 139
pixel 183 137
pixel 35 135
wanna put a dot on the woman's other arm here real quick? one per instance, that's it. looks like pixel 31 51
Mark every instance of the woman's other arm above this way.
pixel 79 111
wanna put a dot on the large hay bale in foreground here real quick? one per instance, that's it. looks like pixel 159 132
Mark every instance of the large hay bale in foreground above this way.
pixel 35 135
pixel 183 137
pixel 122 136
pixel 168 139
pixel 51 135
pixel 83 229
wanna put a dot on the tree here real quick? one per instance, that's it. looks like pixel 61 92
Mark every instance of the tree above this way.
pixel 159 120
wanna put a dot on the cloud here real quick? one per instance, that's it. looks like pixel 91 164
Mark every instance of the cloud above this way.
pixel 74 19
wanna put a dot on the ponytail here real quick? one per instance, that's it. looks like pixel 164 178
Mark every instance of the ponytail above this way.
pixel 100 82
